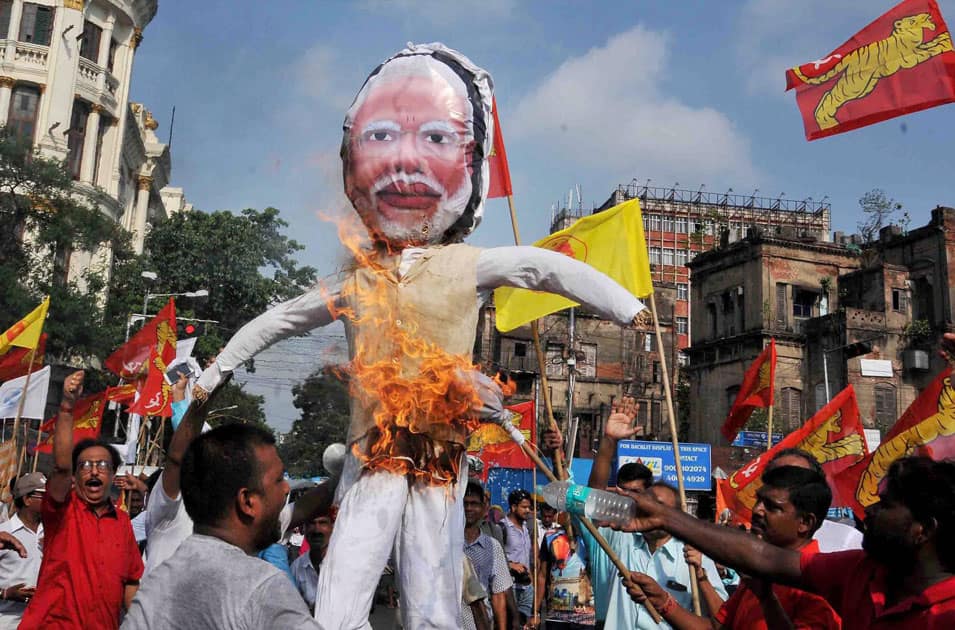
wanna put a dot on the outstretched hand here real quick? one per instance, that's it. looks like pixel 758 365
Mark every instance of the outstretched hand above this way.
pixel 619 425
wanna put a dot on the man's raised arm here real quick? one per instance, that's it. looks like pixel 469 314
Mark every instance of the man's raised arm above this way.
pixel 58 486
pixel 185 433
pixel 726 545
pixel 294 317
pixel 619 426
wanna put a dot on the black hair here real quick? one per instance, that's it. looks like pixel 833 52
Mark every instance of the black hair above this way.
pixel 152 479
pixel 516 496
pixel 634 471
pixel 927 489
pixel 808 490
pixel 82 445
pixel 216 466
pixel 798 452
pixel 474 488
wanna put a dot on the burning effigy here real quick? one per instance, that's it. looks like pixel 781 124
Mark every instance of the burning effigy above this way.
pixel 415 162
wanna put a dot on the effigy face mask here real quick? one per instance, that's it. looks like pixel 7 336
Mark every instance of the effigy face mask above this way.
pixel 414 169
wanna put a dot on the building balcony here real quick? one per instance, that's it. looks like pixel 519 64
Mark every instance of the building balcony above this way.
pixel 29 61
pixel 96 84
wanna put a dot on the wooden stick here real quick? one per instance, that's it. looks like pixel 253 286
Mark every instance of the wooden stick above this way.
pixel 590 527
pixel 23 449
pixel 20 405
pixel 674 438
pixel 769 429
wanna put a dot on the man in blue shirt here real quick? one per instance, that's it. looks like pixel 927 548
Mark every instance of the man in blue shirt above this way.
pixel 654 553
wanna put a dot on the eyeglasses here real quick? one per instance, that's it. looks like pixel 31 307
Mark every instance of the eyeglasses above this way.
pixel 101 465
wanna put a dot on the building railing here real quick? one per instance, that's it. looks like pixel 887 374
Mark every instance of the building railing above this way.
pixel 32 54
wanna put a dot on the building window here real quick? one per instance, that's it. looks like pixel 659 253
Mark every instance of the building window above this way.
pixel 520 349
pixel 655 420
pixel 711 319
pixel 668 256
pixel 680 225
pixel 554 355
pixel 103 126
pixel 647 342
pixel 682 291
pixel 111 60
pixel 790 408
pixel 898 301
pixel 820 396
pixel 667 223
pixel 36 24
pixel 24 103
pixel 681 258
pixel 731 394
pixel 89 48
pixel 682 326
pixel 6 8
pixel 781 304
pixel 654 255
pixel 655 222
pixel 803 301
pixel 885 406
pixel 76 137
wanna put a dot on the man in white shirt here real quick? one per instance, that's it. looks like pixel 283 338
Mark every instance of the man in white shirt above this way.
pixel 18 575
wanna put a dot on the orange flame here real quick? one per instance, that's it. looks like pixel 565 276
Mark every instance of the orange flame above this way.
pixel 422 406
pixel 507 385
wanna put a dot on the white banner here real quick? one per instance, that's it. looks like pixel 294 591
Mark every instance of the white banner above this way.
pixel 35 405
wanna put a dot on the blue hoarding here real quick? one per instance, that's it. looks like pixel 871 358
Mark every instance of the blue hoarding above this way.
pixel 658 457
pixel 755 439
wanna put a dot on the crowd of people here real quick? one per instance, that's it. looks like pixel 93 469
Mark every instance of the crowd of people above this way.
pixel 222 547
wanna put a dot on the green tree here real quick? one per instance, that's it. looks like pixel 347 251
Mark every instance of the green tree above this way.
pixel 245 261
pixel 234 405
pixel 324 401
pixel 877 210
pixel 43 220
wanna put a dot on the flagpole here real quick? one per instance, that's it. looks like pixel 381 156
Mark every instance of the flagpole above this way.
pixel 694 585
pixel 21 404
pixel 769 428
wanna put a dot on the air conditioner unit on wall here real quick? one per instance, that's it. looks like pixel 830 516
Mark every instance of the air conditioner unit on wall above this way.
pixel 915 360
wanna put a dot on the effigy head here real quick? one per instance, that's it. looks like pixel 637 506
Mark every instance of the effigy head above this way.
pixel 415 147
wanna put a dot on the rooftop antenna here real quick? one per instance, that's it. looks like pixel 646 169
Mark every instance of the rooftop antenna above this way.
pixel 172 121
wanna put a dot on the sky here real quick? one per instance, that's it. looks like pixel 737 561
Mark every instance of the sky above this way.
pixel 590 94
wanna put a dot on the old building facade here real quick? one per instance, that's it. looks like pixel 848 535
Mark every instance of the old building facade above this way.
pixel 867 317
pixel 65 73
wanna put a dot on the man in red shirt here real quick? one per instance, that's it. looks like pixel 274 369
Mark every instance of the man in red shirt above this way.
pixel 91 563
pixel 903 578
pixel 789 508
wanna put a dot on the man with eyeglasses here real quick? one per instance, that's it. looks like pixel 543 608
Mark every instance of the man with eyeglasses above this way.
pixel 91 563
pixel 18 575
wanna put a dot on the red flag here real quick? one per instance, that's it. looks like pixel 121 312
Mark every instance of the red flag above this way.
pixel 16 362
pixel 129 361
pixel 500 174
pixel 496 448
pixel 900 63
pixel 155 399
pixel 756 391
pixel 834 436
pixel 926 428
pixel 87 422
pixel 122 393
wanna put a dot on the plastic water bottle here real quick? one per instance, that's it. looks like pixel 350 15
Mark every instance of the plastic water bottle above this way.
pixel 597 505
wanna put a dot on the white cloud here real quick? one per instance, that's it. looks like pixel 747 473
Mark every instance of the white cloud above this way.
pixel 774 35
pixel 442 12
pixel 609 109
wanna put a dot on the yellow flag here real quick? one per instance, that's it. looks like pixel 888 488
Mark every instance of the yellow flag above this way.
pixel 26 332
pixel 611 241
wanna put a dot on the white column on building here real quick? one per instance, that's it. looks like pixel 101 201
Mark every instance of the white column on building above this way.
pixel 141 216
pixel 16 12
pixel 56 107
pixel 88 162
pixel 102 57
pixel 124 76
pixel 6 90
